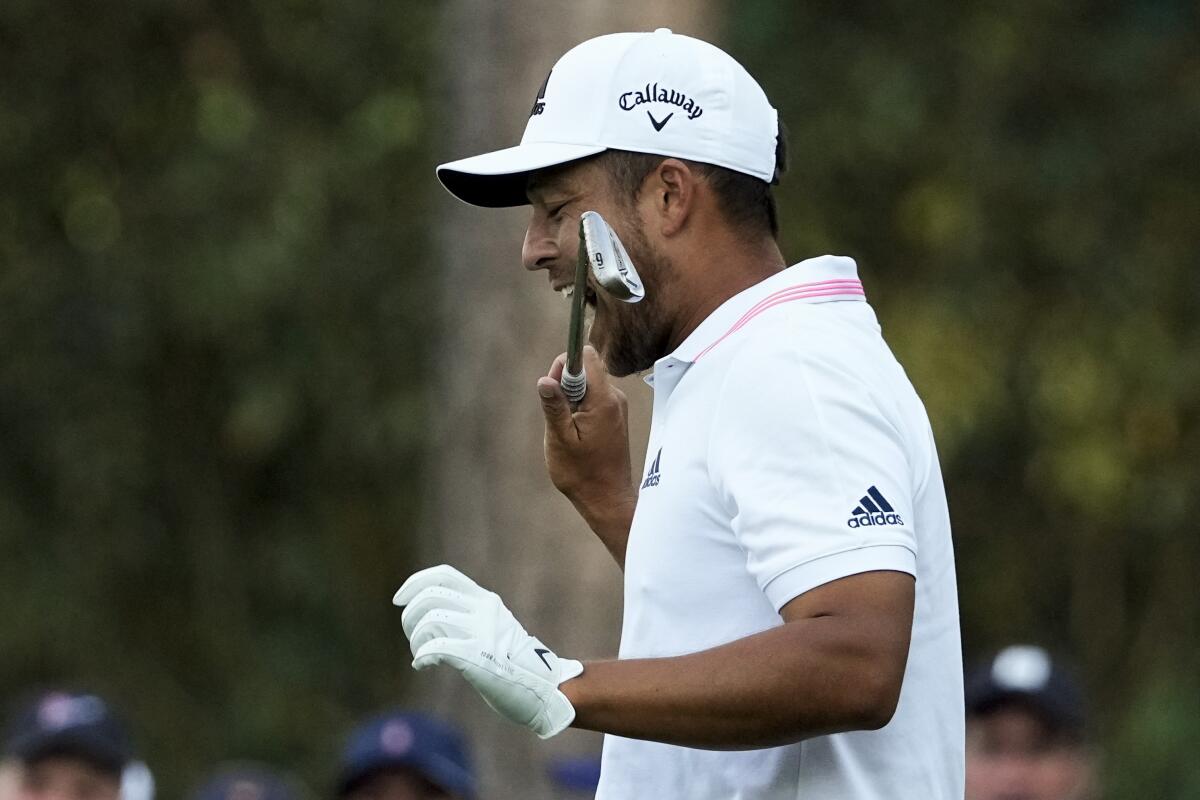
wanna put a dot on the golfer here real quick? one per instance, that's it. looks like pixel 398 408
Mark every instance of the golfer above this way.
pixel 790 617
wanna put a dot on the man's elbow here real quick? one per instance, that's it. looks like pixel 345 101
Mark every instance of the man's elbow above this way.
pixel 865 701
pixel 874 703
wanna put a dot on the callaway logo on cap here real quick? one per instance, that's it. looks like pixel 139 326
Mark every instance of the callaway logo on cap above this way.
pixel 658 92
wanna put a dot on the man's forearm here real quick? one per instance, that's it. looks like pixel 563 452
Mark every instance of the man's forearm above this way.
pixel 803 679
pixel 610 519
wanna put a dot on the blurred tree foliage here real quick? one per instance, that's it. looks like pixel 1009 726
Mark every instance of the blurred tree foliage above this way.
pixel 216 325
pixel 1021 187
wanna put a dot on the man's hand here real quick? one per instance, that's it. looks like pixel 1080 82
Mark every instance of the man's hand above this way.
pixel 450 619
pixel 587 451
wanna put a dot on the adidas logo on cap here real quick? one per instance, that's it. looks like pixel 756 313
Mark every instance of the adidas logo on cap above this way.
pixel 874 510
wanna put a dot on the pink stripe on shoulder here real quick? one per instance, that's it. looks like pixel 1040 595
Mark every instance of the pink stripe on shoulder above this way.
pixel 803 291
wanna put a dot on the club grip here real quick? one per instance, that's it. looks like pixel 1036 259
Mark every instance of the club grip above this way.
pixel 574 386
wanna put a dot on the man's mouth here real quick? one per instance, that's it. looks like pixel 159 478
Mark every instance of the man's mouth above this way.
pixel 568 292
pixel 589 302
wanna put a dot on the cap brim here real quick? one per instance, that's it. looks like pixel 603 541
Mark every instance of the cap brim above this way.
pixel 498 179
pixel 97 751
pixel 441 772
pixel 1056 712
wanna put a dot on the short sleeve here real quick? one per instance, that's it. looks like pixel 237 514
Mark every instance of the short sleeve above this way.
pixel 813 473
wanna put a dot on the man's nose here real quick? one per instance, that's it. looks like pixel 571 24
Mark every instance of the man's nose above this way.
pixel 538 251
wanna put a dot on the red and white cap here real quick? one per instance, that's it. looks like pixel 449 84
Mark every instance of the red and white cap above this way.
pixel 659 92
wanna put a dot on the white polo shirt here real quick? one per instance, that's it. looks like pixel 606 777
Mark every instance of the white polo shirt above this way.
pixel 788 449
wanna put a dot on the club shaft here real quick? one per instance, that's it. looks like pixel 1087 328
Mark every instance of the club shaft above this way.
pixel 578 300
pixel 574 382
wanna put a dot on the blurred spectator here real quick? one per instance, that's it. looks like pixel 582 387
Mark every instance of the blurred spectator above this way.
pixel 248 781
pixel 575 776
pixel 404 756
pixel 1026 730
pixel 68 746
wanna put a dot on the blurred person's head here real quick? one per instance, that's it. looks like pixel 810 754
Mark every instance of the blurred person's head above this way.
pixel 1026 730
pixel 248 781
pixel 674 143
pixel 70 746
pixel 405 756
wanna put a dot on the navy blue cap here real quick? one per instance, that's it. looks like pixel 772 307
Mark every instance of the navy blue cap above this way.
pixel 575 773
pixel 398 740
pixel 1027 675
pixel 76 725
pixel 247 781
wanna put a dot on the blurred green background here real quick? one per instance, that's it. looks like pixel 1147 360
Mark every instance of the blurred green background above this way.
pixel 218 227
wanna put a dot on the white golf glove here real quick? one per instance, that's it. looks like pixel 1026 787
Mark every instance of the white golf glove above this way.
pixel 453 620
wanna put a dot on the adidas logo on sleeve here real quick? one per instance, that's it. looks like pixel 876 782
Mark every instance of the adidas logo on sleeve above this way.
pixel 873 510
pixel 652 475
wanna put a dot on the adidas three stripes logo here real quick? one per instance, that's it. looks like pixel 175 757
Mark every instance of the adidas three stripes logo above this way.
pixel 652 474
pixel 873 510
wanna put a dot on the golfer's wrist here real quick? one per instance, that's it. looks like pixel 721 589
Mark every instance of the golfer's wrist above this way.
pixel 604 509
pixel 575 690
pixel 597 694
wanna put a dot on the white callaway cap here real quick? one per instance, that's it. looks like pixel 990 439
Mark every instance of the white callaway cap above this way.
pixel 659 93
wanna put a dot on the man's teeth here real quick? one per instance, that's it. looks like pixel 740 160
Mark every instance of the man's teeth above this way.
pixel 569 291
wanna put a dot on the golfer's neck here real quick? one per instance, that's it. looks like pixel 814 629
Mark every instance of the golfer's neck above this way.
pixel 718 272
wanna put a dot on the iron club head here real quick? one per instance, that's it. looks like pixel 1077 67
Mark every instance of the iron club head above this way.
pixel 611 267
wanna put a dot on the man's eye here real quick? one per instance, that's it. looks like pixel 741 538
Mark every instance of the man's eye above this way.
pixel 557 210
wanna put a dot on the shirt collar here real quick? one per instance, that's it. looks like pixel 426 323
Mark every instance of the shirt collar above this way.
pixel 815 280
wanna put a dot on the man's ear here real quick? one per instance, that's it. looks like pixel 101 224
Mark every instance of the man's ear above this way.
pixel 672 190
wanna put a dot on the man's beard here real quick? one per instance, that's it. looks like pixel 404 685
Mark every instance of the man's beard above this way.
pixel 638 334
